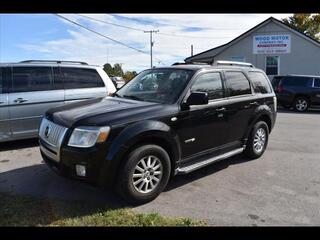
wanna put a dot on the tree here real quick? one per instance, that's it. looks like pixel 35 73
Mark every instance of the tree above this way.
pixel 306 23
pixel 117 69
pixel 108 69
pixel 129 75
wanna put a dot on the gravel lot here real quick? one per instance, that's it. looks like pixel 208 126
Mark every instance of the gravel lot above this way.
pixel 280 188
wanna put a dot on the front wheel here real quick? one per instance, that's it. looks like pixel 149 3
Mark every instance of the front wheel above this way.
pixel 258 140
pixel 145 174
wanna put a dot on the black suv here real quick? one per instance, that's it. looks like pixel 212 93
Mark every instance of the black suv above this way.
pixel 164 122
pixel 297 91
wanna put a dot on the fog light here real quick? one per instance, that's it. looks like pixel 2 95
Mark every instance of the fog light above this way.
pixel 81 170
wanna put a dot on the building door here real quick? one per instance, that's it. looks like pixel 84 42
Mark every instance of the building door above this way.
pixel 272 66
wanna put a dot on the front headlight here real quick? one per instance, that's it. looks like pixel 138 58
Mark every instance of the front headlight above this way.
pixel 88 136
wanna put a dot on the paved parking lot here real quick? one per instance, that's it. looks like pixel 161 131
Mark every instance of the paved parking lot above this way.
pixel 280 188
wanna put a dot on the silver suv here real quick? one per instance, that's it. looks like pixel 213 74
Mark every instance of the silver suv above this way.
pixel 29 88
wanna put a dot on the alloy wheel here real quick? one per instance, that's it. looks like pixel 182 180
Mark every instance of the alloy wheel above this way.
pixel 301 104
pixel 147 174
pixel 259 140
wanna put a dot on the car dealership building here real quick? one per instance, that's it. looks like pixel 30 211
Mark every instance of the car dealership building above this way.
pixel 272 46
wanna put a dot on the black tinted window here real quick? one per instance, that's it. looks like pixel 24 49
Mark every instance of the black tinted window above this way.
pixel 81 78
pixel 57 78
pixel 237 83
pixel 260 82
pixel 210 83
pixel 296 81
pixel 317 82
pixel 28 79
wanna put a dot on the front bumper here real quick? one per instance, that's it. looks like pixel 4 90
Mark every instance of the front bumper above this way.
pixel 98 169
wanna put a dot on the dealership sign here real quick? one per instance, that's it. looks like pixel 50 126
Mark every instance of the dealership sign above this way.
pixel 271 44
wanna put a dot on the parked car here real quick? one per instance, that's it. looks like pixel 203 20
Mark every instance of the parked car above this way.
pixel 118 82
pixel 164 122
pixel 297 91
pixel 29 88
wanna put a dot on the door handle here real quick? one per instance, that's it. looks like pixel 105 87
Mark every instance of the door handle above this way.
pixel 1 102
pixel 220 109
pixel 254 103
pixel 20 100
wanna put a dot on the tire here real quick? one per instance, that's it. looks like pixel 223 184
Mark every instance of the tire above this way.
pixel 301 104
pixel 251 150
pixel 126 186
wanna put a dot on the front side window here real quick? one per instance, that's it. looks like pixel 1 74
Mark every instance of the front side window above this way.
pixel 316 82
pixel 272 65
pixel 157 85
pixel 210 83
pixel 28 79
pixel 237 84
pixel 260 82
pixel 81 78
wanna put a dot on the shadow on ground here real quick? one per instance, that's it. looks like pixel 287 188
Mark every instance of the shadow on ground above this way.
pixel 18 144
pixel 310 111
pixel 181 180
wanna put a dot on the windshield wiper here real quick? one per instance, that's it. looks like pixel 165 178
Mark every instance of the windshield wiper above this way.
pixel 133 97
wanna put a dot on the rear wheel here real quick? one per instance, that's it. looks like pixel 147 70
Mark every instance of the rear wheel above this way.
pixel 301 104
pixel 145 174
pixel 258 140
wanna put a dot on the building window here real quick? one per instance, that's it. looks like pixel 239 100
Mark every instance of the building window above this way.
pixel 272 65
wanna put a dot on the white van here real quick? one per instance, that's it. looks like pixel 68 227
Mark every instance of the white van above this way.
pixel 29 88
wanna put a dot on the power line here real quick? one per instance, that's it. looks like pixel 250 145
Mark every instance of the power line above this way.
pixel 138 50
pixel 184 26
pixel 114 24
pixel 116 41
pixel 162 33
pixel 185 36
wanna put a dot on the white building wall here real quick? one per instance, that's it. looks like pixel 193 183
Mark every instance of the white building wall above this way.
pixel 304 57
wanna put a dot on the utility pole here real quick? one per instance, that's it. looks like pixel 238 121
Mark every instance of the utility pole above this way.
pixel 191 49
pixel 151 43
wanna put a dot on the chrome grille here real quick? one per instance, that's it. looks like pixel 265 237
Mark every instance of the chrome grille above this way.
pixel 52 134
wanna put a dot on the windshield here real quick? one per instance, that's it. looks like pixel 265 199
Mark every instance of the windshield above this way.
pixel 157 85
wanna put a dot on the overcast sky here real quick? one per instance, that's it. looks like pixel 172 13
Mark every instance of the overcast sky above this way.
pixel 46 36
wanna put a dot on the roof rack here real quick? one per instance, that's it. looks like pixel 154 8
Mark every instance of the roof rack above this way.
pixel 184 63
pixel 232 63
pixel 54 61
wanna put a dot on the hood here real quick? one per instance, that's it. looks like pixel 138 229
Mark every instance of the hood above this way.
pixel 104 111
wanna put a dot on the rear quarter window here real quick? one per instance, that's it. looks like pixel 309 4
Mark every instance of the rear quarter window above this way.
pixel 81 78
pixel 260 82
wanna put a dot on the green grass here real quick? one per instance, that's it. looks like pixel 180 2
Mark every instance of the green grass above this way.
pixel 29 211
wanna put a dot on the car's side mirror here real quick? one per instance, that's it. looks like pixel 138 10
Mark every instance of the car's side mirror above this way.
pixel 197 98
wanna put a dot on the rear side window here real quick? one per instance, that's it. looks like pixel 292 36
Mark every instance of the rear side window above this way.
pixel 29 79
pixel 296 81
pixel 316 82
pixel 81 78
pixel 210 83
pixel 260 82
pixel 237 84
